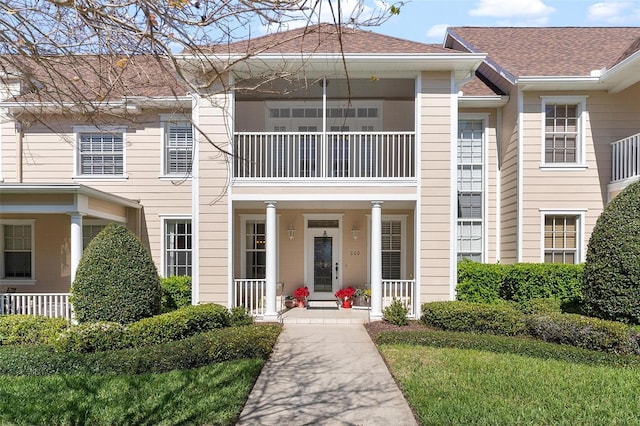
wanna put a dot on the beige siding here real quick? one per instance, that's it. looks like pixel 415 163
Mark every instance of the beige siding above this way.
pixel 49 158
pixel 435 165
pixel 213 202
pixel 608 117
pixel 509 180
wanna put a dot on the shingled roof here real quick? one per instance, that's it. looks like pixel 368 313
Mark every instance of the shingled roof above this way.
pixel 554 51
pixel 326 39
pixel 92 78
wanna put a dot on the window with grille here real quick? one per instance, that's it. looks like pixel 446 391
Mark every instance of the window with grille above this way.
pixel 563 139
pixel 561 133
pixel 561 239
pixel 470 168
pixel 178 148
pixel 391 249
pixel 255 249
pixel 178 246
pixel 89 232
pixel 17 251
pixel 101 154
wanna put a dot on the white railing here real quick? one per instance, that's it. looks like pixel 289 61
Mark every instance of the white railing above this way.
pixel 251 294
pixel 53 305
pixel 403 290
pixel 357 155
pixel 625 158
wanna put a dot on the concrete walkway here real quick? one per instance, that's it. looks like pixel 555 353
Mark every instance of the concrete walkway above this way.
pixel 326 375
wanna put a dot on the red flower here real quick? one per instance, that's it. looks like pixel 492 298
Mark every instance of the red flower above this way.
pixel 345 293
pixel 301 293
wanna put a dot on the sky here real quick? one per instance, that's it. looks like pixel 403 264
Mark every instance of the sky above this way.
pixel 426 20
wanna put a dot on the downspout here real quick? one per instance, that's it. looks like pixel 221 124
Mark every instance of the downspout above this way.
pixel 19 151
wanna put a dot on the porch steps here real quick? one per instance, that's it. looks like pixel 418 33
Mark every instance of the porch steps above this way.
pixel 322 304
pixel 324 314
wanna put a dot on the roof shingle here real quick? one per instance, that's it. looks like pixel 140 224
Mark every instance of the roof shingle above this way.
pixel 552 51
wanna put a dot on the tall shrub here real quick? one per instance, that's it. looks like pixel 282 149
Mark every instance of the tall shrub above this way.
pixel 479 282
pixel 116 280
pixel 527 281
pixel 611 283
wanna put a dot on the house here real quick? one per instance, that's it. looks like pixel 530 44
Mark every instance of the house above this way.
pixel 364 161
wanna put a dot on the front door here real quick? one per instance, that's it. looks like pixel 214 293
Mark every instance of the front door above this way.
pixel 323 263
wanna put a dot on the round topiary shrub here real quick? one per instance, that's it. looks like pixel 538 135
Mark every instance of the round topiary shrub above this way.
pixel 611 284
pixel 116 280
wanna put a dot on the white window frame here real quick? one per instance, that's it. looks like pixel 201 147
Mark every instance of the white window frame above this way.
pixel 78 130
pixel 484 117
pixel 581 108
pixel 580 241
pixel 18 281
pixel 165 121
pixel 244 218
pixel 403 230
pixel 163 237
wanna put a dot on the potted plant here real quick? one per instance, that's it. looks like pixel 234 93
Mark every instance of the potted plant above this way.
pixel 363 296
pixel 345 296
pixel 289 302
pixel 301 295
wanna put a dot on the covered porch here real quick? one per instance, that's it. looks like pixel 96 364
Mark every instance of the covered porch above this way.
pixel 44 228
pixel 324 246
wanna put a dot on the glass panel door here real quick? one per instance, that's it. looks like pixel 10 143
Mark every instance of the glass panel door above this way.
pixel 322 262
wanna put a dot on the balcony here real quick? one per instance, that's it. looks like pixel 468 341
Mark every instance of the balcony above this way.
pixel 332 155
pixel 625 158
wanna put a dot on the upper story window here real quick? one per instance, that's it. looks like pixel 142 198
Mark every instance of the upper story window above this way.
pixel 17 247
pixel 100 152
pixel 177 148
pixel 563 131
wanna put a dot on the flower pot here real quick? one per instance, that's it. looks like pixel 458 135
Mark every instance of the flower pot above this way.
pixel 346 304
pixel 289 304
pixel 300 303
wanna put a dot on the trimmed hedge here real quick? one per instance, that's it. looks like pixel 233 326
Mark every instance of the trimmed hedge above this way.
pixel 479 282
pixel 225 344
pixel 585 332
pixel 29 330
pixel 116 279
pixel 175 325
pixel 570 329
pixel 526 281
pixel 176 292
pixel 495 283
pixel 612 271
pixel 473 317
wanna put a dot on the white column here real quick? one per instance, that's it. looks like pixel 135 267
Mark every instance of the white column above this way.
pixel 271 266
pixel 376 259
pixel 76 243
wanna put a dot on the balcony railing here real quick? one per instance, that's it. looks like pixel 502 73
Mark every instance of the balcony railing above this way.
pixel 625 158
pixel 361 155
pixel 53 305
pixel 402 290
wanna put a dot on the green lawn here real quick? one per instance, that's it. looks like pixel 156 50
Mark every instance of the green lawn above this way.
pixel 212 395
pixel 449 386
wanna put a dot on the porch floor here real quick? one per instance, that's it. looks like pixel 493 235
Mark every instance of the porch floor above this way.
pixel 324 316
